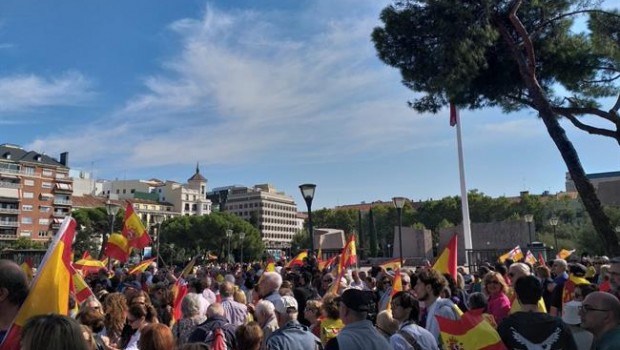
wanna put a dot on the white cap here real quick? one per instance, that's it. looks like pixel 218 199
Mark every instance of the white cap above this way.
pixel 283 304
pixel 570 313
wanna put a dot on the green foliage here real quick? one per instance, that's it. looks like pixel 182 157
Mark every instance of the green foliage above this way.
pixel 26 243
pixel 301 240
pixel 92 223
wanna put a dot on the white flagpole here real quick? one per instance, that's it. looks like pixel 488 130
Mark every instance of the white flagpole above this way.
pixel 464 200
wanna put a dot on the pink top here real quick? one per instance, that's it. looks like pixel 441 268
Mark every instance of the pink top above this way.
pixel 499 306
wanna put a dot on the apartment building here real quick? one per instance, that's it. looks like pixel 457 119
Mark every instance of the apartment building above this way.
pixel 275 213
pixel 35 193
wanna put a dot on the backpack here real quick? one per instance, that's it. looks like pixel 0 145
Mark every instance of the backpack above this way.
pixel 216 340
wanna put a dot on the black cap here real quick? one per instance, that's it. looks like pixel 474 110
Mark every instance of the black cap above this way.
pixel 577 269
pixel 355 299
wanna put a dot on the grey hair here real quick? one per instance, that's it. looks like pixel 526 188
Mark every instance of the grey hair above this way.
pixel 561 262
pixel 265 307
pixel 273 280
pixel 190 306
pixel 525 270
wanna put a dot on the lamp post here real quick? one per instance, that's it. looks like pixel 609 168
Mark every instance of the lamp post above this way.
pixel 241 237
pixel 399 203
pixel 529 218
pixel 112 210
pixel 389 254
pixel 228 235
pixel 158 220
pixel 554 222
pixel 307 191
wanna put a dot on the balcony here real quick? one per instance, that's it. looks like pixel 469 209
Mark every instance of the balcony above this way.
pixel 9 223
pixel 62 187
pixel 5 236
pixel 58 201
pixel 9 211
pixel 60 214
pixel 12 193
pixel 6 184
pixel 7 170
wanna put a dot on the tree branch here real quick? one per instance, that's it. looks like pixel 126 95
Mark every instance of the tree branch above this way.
pixel 588 128
pixel 520 28
pixel 614 109
pixel 568 14
pixel 587 110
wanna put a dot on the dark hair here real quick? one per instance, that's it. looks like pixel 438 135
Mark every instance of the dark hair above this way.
pixel 501 268
pixel 587 288
pixel 528 289
pixel 434 279
pixel 91 318
pixel 477 300
pixel 13 278
pixel 408 301
pixel 249 336
pixel 156 336
pixel 52 332
pixel 331 306
pixel 197 284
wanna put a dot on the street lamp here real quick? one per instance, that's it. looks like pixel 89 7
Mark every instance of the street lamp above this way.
pixel 241 237
pixel 112 210
pixel 529 218
pixel 399 203
pixel 554 222
pixel 228 235
pixel 307 191
pixel 158 220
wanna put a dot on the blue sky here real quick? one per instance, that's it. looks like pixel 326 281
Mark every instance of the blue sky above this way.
pixel 284 92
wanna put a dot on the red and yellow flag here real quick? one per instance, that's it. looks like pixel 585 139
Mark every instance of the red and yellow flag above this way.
pixel 27 268
pixel 50 289
pixel 472 331
pixel 530 259
pixel 326 264
pixel 188 268
pixel 569 287
pixel 142 266
pixel 563 254
pixel 80 288
pixel 349 254
pixel 133 229
pixel 541 260
pixel 298 260
pixel 446 262
pixel 89 264
pixel 179 291
pixel 391 264
pixel 271 265
pixel 397 286
pixel 515 255
pixel 118 247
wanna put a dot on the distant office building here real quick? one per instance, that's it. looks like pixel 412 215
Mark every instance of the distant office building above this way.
pixel 35 193
pixel 607 186
pixel 146 209
pixel 273 212
pixel 186 199
pixel 84 183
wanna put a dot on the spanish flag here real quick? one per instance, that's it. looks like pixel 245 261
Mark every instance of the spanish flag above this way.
pixel 446 262
pixel 89 264
pixel 563 254
pixel 118 247
pixel 349 254
pixel 80 288
pixel 134 230
pixel 188 268
pixel 391 264
pixel 541 260
pixel 471 331
pixel 49 292
pixel 569 287
pixel 298 260
pixel 271 265
pixel 27 268
pixel 179 291
pixel 326 264
pixel 142 266
pixel 397 286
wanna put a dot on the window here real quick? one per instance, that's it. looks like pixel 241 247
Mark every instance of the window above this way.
pixel 47 173
pixel 46 184
pixel 26 207
pixel 187 206
pixel 124 191
pixel 25 233
pixel 133 190
pixel 118 191
pixel 44 221
pixel 45 209
pixel 194 197
pixel 26 220
pixel 42 233
pixel 194 207
pixel 28 195
pixel 61 186
pixel 28 182
pixel 61 176
pixel 28 170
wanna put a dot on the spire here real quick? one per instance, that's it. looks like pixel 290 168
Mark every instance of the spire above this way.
pixel 197 168
pixel 197 176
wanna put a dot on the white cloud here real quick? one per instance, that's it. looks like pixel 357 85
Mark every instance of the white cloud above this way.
pixel 25 92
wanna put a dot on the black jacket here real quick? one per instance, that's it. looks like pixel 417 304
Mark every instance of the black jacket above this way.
pixel 205 331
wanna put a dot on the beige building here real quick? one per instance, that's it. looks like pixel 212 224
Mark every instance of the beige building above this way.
pixel 275 213
pixel 35 193
pixel 607 186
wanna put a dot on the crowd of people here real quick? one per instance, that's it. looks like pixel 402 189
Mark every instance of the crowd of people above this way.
pixel 241 306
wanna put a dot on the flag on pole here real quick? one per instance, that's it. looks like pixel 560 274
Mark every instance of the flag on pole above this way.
pixel 515 255
pixel 49 292
pixel 541 260
pixel 89 264
pixel 530 259
pixel 142 266
pixel 188 268
pixel 391 264
pixel 80 288
pixel 397 286
pixel 446 263
pixel 133 229
pixel 453 114
pixel 327 264
pixel 349 254
pixel 471 331
pixel 27 268
pixel 179 291
pixel 271 265
pixel 298 260
pixel 563 254
pixel 118 247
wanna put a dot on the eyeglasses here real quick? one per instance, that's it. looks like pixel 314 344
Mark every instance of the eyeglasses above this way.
pixel 492 282
pixel 587 308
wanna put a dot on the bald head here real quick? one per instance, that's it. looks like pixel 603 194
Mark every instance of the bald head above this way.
pixel 215 309
pixel 602 300
pixel 227 289
pixel 13 283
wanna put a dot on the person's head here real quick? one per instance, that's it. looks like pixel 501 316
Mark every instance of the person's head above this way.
pixel 13 285
pixel 156 336
pixel 313 310
pixel 190 305
pixel 249 336
pixel 286 309
pixel 614 273
pixel 528 289
pixel 582 290
pixel 92 303
pixel 483 270
pixel 269 283
pixel 516 271
pixel 115 308
pixel 264 311
pixel 91 318
pixel 354 305
pixel 543 272
pixel 406 281
pixel 227 289
pixel 329 308
pixel 52 332
pixel 477 301
pixel 371 282
pixel 559 266
pixel 196 285
pixel 89 338
pixel 494 283
pixel 405 307
pixel 327 281
pixel 600 312
pixel 429 285
pixel 386 324
pixel 215 309
pixel 137 316
pixel 140 297
pixel 240 297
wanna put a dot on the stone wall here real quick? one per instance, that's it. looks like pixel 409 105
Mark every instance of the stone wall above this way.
pixel 417 243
